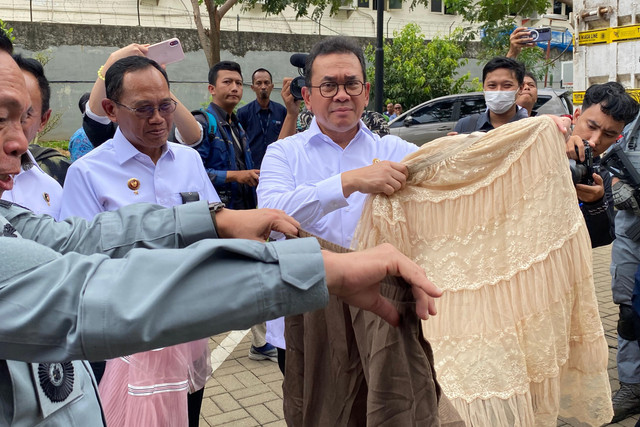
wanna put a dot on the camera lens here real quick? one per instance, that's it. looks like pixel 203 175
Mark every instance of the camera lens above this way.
pixel 579 172
pixel 296 87
pixel 534 35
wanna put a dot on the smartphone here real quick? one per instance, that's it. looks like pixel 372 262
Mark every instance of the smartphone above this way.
pixel 166 52
pixel 542 34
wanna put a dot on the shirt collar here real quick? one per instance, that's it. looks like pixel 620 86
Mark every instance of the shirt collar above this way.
pixel 223 114
pixel 315 132
pixel 124 150
pixel 484 122
pixel 257 108
pixel 30 159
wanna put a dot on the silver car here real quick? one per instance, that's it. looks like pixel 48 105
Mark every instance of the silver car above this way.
pixel 436 117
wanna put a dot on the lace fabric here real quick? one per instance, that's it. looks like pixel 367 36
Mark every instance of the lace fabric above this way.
pixel 493 219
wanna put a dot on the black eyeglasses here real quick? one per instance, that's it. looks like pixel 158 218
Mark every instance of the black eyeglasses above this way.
pixel 146 111
pixel 330 89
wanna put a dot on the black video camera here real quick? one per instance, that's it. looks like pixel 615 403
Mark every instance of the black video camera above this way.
pixel 582 172
pixel 298 60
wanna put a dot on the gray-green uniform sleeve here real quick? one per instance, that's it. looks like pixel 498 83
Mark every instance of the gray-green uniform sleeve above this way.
pixel 115 233
pixel 63 307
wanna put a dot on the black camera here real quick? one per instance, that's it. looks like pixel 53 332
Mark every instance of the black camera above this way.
pixel 298 60
pixel 582 172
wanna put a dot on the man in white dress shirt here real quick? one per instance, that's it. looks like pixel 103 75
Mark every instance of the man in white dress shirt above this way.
pixel 32 187
pixel 321 176
pixel 138 164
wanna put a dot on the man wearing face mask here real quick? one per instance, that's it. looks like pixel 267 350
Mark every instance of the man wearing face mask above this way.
pixel 502 81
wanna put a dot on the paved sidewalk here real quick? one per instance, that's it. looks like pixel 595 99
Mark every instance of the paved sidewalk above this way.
pixel 244 392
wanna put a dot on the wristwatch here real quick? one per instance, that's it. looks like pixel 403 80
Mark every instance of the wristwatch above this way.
pixel 213 208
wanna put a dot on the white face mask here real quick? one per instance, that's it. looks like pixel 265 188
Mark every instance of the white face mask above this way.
pixel 499 101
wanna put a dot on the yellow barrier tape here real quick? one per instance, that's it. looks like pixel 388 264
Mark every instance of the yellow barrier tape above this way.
pixel 631 32
pixel 594 37
pixel 609 35
pixel 578 96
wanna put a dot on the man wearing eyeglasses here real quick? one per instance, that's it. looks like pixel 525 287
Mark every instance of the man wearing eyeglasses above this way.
pixel 139 165
pixel 321 176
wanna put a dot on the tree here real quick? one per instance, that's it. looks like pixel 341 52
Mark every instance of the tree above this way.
pixel 416 71
pixel 210 37
pixel 473 11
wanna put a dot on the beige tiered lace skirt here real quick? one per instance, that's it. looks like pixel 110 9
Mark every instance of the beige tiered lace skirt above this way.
pixel 494 220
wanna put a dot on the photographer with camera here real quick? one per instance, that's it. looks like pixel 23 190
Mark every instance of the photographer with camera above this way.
pixel 606 109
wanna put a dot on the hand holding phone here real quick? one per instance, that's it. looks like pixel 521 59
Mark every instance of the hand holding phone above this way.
pixel 166 52
pixel 542 34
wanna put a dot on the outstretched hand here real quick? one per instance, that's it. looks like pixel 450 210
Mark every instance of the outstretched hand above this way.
pixel 254 224
pixel 355 278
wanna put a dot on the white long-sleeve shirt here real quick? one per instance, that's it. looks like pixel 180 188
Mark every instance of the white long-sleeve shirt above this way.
pixel 301 175
pixel 102 179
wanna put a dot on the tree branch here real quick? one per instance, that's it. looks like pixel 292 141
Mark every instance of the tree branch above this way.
pixel 225 7
pixel 204 41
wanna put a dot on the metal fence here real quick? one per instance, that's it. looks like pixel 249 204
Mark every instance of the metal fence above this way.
pixel 179 14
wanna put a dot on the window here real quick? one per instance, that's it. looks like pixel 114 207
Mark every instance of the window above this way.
pixel 560 8
pixel 437 6
pixel 542 99
pixel 473 105
pixel 363 3
pixel 395 4
pixel 434 113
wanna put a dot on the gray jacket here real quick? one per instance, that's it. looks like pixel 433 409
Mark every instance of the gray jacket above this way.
pixel 75 290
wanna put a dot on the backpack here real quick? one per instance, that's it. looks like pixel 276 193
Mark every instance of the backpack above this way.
pixel 208 120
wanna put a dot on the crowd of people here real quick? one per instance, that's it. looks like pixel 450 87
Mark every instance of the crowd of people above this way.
pixel 161 202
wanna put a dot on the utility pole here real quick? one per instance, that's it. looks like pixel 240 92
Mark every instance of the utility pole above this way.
pixel 379 77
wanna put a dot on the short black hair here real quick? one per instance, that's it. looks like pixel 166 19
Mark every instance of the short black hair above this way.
pixel 223 65
pixel 504 62
pixel 253 76
pixel 614 101
pixel 531 76
pixel 114 76
pixel 6 44
pixel 337 44
pixel 34 67
pixel 82 102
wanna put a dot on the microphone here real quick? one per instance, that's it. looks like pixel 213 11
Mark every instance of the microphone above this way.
pixel 298 59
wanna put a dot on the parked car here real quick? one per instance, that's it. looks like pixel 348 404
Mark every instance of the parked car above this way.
pixel 436 117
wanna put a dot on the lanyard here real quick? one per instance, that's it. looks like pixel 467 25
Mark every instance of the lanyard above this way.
pixel 265 126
